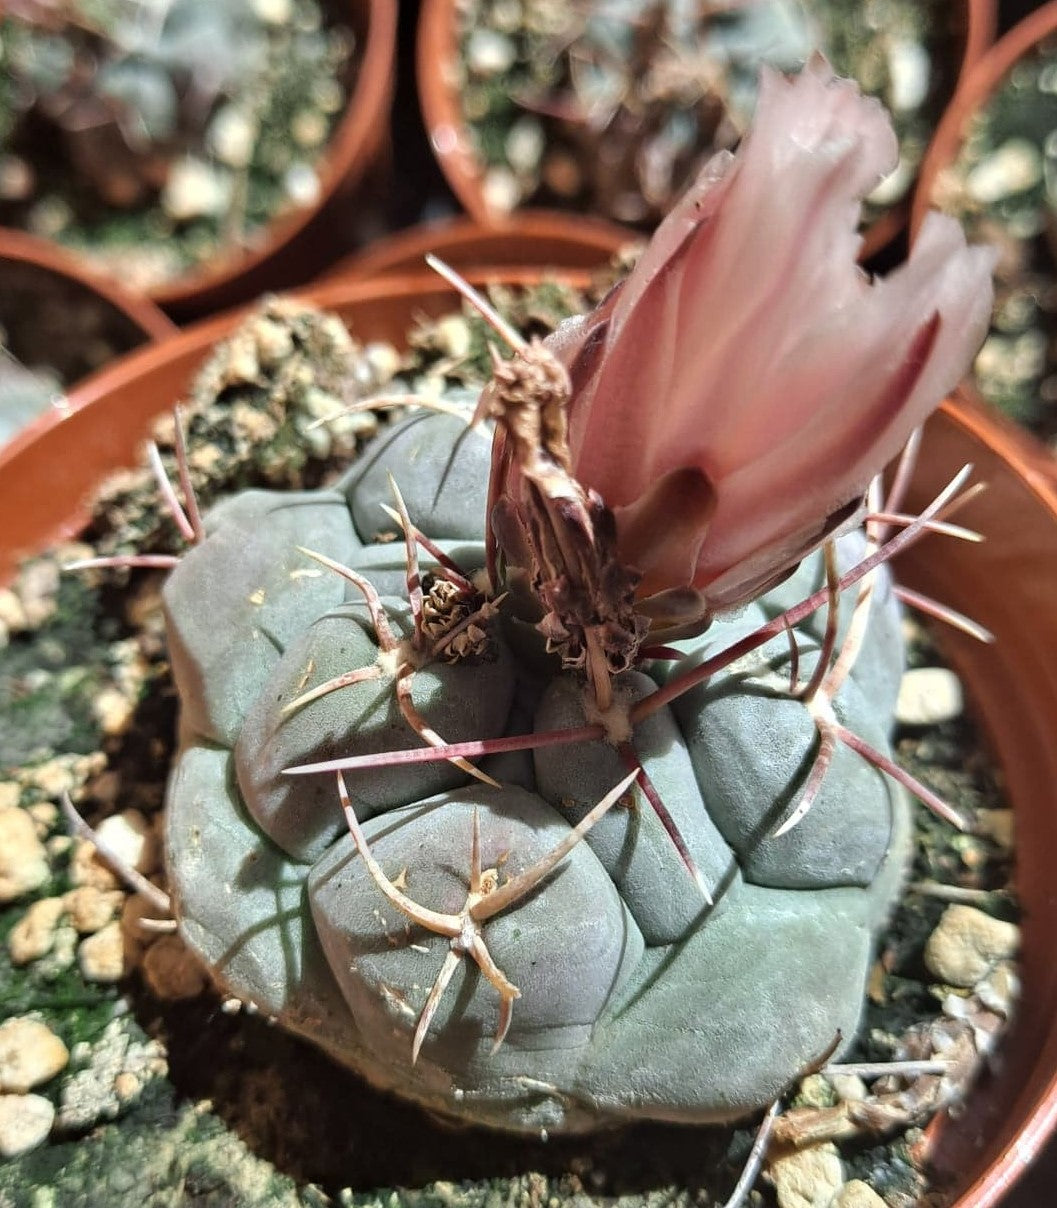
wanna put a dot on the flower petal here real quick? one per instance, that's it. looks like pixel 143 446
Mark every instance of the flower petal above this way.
pixel 749 348
pixel 759 251
pixel 845 401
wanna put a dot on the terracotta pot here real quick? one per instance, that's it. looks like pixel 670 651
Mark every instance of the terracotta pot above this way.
pixel 980 85
pixel 35 277
pixel 1008 584
pixel 528 238
pixel 110 413
pixel 975 90
pixel 142 315
pixel 298 243
pixel 1013 686
pixel 450 138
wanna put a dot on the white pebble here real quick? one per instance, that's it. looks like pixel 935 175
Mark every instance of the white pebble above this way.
pixel 30 1053
pixel 524 145
pixel 301 184
pixel 308 128
pixel 273 12
pixel 131 838
pixel 34 934
pixel 45 815
pixel 1014 167
pixel 86 867
pixel 25 1122
pixel 452 334
pixel 815 1091
pixel 507 15
pixel 113 710
pixel 16 179
pixel 383 361
pixel 328 95
pixel 354 425
pixel 895 185
pixel 909 74
pixel 232 137
pixel 1000 989
pixel 489 53
pixel 194 190
pixel 90 909
pixel 928 695
pixel 501 190
pixel 992 356
pixel 1030 351
pixel 967 944
pixel 849 1088
pixel 49 217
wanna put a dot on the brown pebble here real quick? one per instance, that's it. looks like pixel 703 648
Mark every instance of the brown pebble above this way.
pixel 34 934
pixel 86 868
pixel 967 944
pixel 561 174
pixel 857 1194
pixel 90 909
pixel 126 1086
pixel 101 956
pixel 23 859
pixel 171 972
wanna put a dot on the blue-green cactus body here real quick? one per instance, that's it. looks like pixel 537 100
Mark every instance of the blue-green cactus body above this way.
pixel 640 994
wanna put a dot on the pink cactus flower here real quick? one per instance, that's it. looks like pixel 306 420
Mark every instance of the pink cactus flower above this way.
pixel 733 398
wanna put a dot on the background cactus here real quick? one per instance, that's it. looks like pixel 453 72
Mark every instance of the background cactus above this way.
pixel 637 996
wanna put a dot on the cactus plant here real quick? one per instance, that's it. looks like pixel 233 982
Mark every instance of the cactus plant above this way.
pixel 612 107
pixel 526 773
pixel 150 141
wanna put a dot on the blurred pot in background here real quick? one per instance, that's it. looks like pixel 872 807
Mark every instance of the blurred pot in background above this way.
pixel 200 152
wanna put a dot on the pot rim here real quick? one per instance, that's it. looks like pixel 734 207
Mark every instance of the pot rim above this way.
pixel 528 237
pixel 436 50
pixel 352 147
pixel 30 519
pixel 997 439
pixel 28 249
pixel 1031 1104
pixel 978 86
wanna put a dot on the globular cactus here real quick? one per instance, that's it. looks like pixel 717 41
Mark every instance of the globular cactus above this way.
pixel 587 813
pixel 638 996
